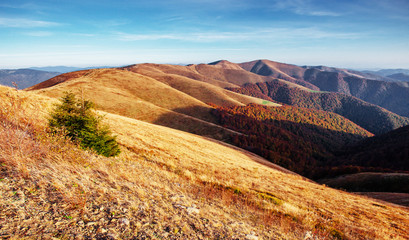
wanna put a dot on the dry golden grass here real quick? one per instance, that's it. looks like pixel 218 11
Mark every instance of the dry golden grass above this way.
pixel 205 88
pixel 215 75
pixel 226 65
pixel 166 184
pixel 286 71
pixel 130 94
pixel 165 99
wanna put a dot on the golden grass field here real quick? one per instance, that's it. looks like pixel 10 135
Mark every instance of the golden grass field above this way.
pixel 166 184
pixel 168 100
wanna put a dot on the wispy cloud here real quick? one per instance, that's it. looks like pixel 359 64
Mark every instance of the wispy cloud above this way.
pixel 25 23
pixel 39 34
pixel 259 34
pixel 304 7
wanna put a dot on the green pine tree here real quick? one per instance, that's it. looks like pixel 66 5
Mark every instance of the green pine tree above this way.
pixel 80 123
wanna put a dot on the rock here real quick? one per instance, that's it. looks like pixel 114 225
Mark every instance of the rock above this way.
pixel 191 210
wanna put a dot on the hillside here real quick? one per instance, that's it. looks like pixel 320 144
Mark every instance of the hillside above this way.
pixel 392 96
pixel 288 72
pixel 215 74
pixel 371 182
pixel 388 151
pixel 387 154
pixel 159 189
pixel 202 86
pixel 400 77
pixel 24 78
pixel 149 99
pixel 301 140
pixel 390 187
pixel 350 73
pixel 371 117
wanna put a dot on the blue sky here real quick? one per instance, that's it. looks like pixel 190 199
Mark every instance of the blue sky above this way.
pixel 354 34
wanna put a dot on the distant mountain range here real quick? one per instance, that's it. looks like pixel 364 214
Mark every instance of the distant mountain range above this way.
pixel 400 76
pixel 64 69
pixel 28 77
pixel 388 72
pixel 24 78
pixel 392 96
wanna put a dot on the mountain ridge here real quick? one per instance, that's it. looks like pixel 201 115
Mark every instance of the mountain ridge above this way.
pixel 24 78
pixel 389 95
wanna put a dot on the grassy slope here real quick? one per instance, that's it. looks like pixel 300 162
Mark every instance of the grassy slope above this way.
pixel 222 74
pixel 202 87
pixel 137 96
pixel 287 72
pixel 159 189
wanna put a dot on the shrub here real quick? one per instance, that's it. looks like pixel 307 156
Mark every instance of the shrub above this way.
pixel 77 120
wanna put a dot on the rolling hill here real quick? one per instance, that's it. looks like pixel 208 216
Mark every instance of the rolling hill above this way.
pixel 369 116
pixel 179 97
pixel 144 98
pixel 386 72
pixel 300 137
pixel 301 140
pixel 164 184
pixel 24 78
pixel 389 95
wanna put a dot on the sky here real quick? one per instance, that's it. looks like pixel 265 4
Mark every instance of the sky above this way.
pixel 358 34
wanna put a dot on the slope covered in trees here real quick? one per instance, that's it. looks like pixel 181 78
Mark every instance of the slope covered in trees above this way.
pixel 371 117
pixel 388 151
pixel 298 139
pixel 392 96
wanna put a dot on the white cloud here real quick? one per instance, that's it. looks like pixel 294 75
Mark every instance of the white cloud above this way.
pixel 25 23
pixel 254 35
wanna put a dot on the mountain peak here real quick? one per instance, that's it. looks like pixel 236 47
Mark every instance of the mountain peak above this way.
pixel 226 64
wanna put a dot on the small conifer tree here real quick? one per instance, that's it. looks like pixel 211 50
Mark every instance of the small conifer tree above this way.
pixel 81 124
